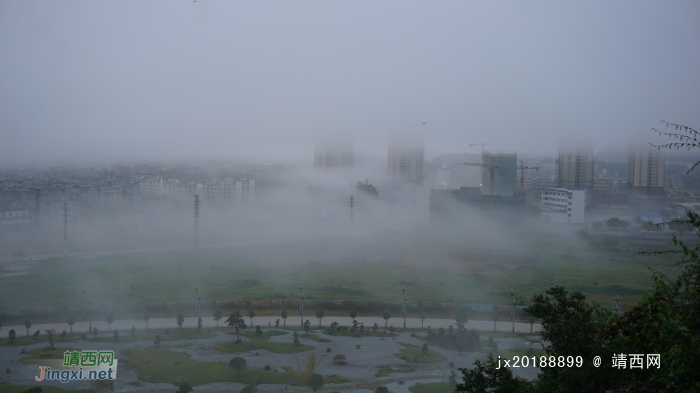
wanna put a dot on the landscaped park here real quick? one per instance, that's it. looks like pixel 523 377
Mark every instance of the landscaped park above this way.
pixel 352 340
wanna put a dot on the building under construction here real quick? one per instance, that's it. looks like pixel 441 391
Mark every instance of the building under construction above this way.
pixel 503 173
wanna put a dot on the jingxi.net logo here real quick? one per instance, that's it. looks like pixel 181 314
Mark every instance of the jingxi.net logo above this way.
pixel 79 366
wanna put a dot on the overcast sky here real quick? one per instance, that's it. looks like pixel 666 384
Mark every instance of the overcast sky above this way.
pixel 233 79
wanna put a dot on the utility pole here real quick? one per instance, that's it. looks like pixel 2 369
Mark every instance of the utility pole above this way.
pixel 301 303
pixel 65 229
pixel 403 299
pixel 512 308
pixel 37 198
pixel 196 221
pixel 89 301
pixel 196 301
pixel 352 206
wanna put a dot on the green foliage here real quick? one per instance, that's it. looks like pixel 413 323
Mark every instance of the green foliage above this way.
pixel 617 223
pixel 319 315
pixel 367 188
pixel 157 340
pixel 109 318
pixel 386 315
pixel 218 314
pixel 238 364
pixel 488 377
pixel 381 389
pixel 180 319
pixel 315 382
pixel 184 388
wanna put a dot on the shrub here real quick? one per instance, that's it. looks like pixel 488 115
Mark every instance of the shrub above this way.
pixel 328 349
pixel 357 346
pixel 267 367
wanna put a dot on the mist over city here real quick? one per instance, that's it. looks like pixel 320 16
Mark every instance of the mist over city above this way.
pixel 407 192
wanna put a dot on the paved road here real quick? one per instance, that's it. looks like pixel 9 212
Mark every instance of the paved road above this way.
pixel 265 321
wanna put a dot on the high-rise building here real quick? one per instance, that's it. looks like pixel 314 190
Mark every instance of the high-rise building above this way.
pixel 334 153
pixel 645 167
pixel 406 158
pixel 575 164
pixel 645 176
pixel 505 179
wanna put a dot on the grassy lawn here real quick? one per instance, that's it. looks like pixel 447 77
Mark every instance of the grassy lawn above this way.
pixel 435 387
pixel 314 337
pixel 414 354
pixel 164 365
pixel 462 271
pixel 36 355
pixel 7 388
pixel 260 342
pixel 22 341
pixel 165 335
pixel 401 368
pixel 504 334
pixel 366 333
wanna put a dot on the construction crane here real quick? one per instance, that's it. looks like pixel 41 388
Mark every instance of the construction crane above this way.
pixel 522 173
pixel 492 170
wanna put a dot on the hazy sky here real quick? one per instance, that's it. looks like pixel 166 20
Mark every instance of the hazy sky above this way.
pixel 233 79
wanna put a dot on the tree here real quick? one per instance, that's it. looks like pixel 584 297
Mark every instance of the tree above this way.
pixel 315 382
pixel 12 335
pixel 184 388
pixel 218 314
pixel 353 315
pixel 237 364
pixel 236 321
pixel 381 389
pixel 180 318
pixel 109 318
pixel 258 331
pixel 367 188
pixel 386 315
pixel 461 321
pixel 452 380
pixel 157 340
pixel 251 315
pixel 199 324
pixel 277 324
pixel 284 317
pixel 486 377
pixel 319 315
pixel 146 317
pixel 616 223
pixel 28 325
pixel 531 321
pixel 295 339
pixel 71 322
pixel 494 316
pixel 422 317
pixel 95 331
pixel 424 350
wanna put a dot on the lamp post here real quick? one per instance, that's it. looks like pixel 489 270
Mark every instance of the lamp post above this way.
pixel 403 298
pixel 301 303
pixel 512 308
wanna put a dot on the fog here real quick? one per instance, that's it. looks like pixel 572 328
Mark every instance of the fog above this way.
pixel 122 81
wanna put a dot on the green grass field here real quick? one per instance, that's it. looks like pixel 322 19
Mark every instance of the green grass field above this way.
pixel 435 270
pixel 400 368
pixel 7 388
pixel 39 354
pixel 436 387
pixel 414 354
pixel 149 335
pixel 260 342
pixel 164 365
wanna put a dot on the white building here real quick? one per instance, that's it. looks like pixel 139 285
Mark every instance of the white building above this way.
pixel 563 206
pixel 14 216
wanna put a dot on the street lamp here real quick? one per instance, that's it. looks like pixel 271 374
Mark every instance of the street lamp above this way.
pixel 512 308
pixel 403 298
pixel 301 303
